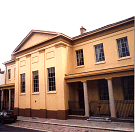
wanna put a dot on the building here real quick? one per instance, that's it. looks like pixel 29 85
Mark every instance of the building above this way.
pixel 2 81
pixel 2 77
pixel 51 75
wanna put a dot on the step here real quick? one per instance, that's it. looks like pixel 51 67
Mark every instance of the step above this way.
pixel 99 119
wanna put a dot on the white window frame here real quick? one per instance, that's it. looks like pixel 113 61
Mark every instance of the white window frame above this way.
pixel 81 57
pixel 37 83
pixel 53 82
pixel 99 53
pixel 120 55
pixel 21 82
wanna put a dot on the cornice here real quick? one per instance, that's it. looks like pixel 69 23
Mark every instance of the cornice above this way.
pixel 100 72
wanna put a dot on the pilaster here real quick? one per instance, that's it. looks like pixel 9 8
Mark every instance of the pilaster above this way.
pixel 60 53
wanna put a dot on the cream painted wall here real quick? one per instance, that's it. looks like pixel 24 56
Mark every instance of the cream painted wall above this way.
pixel 110 51
pixel 63 58
pixel 12 80
pixel 2 79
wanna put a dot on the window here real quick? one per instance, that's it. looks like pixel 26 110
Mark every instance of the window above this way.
pixel 51 79
pixel 9 73
pixel 123 48
pixel 103 89
pixel 35 81
pixel 128 87
pixel 79 57
pixel 99 53
pixel 23 83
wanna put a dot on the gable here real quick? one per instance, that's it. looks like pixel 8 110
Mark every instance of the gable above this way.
pixel 34 39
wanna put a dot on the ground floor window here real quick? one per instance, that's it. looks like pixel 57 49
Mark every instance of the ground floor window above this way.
pixel 51 78
pixel 103 89
pixel 35 81
pixel 128 87
pixel 23 83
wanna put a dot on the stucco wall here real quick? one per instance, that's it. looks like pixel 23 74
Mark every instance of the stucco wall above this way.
pixel 110 51
pixel 2 79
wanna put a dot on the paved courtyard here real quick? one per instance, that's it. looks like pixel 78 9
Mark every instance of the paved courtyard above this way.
pixel 70 125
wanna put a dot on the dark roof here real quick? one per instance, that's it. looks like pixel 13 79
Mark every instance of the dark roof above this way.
pixel 12 60
pixel 107 26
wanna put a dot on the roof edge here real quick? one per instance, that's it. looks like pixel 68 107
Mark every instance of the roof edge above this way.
pixel 104 28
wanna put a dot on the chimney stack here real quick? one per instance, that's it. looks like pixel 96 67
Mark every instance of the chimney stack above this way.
pixel 82 30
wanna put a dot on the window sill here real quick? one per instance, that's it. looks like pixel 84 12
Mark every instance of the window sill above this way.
pixel 51 92
pixel 35 93
pixel 80 66
pixel 102 62
pixel 22 94
pixel 124 58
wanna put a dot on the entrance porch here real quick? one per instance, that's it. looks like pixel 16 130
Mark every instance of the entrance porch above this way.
pixel 106 98
pixel 7 97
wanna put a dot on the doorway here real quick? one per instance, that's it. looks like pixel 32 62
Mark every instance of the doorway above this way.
pixel 81 95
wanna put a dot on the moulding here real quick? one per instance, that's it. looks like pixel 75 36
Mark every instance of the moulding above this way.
pixel 60 44
pixel 28 55
pixel 41 51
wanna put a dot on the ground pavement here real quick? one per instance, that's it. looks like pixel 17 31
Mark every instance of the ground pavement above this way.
pixel 107 126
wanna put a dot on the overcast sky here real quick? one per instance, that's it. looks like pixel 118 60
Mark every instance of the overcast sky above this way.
pixel 19 17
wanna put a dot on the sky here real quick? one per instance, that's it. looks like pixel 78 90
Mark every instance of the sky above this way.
pixel 19 17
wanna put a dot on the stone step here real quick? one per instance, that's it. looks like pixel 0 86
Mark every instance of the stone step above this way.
pixel 99 119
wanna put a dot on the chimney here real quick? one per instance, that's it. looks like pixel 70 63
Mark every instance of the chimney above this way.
pixel 82 30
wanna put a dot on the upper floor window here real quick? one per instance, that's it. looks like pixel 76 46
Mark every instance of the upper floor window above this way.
pixel 35 81
pixel 23 83
pixel 123 48
pixel 9 73
pixel 79 57
pixel 51 79
pixel 128 87
pixel 99 53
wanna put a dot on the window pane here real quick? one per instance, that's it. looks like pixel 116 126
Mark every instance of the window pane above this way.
pixel 103 89
pixel 79 57
pixel 128 87
pixel 22 83
pixel 99 53
pixel 51 79
pixel 123 48
pixel 35 81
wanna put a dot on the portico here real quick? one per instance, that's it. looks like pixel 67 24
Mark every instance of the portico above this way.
pixel 95 98
pixel 7 97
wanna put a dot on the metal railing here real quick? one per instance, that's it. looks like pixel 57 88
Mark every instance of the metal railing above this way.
pixel 124 109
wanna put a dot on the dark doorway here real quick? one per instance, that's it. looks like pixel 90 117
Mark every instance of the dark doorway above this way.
pixel 81 95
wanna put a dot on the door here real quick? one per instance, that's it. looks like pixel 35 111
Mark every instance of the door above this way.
pixel 81 98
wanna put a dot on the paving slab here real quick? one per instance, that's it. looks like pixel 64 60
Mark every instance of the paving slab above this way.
pixel 111 126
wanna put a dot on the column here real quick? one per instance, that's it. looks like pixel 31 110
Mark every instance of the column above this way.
pixel 111 98
pixel 9 99
pixel 86 100
pixel 2 98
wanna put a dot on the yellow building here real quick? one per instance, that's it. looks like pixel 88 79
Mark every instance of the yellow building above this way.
pixel 52 75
